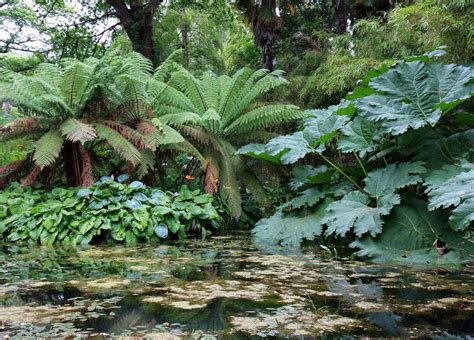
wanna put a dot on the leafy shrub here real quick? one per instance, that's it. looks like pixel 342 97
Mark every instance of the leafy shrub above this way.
pixel 366 193
pixel 108 210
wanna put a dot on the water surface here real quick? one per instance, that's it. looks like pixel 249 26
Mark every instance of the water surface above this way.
pixel 224 288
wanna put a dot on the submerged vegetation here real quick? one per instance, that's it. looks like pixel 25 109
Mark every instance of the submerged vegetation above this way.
pixel 322 132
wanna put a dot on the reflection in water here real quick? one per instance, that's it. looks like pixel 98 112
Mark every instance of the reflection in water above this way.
pixel 223 288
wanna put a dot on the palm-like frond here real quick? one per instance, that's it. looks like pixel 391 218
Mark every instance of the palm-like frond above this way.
pixel 48 148
pixel 251 91
pixel 77 131
pixel 119 143
pixel 191 87
pixel 264 117
pixel 153 137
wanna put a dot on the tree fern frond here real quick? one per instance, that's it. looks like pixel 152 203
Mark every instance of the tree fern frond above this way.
pixel 191 87
pixel 210 86
pixel 163 93
pixel 254 185
pixel 229 187
pixel 48 148
pixel 51 73
pixel 74 81
pixel 147 164
pixel 152 135
pixel 77 131
pixel 187 148
pixel 233 89
pixel 180 118
pixel 133 136
pixel 262 86
pixel 170 136
pixel 263 117
pixel 119 143
pixel 167 66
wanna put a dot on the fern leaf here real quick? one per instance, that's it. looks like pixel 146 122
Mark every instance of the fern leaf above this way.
pixel 48 148
pixel 77 131
pixel 251 91
pixel 120 144
pixel 264 117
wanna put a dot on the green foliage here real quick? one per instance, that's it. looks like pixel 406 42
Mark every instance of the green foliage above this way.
pixel 457 191
pixel 108 211
pixel 305 225
pixel 417 95
pixel 84 102
pixel 216 115
pixel 411 235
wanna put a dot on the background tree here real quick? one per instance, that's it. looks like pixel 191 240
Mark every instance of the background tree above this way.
pixel 266 25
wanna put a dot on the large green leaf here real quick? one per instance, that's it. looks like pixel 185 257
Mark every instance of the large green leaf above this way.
pixel 307 174
pixel 409 235
pixel 358 136
pixel 386 180
pixel 286 149
pixel 321 126
pixel 458 192
pixel 291 229
pixel 415 94
pixel 353 211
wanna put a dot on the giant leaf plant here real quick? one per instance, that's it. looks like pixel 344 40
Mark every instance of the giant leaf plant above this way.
pixel 384 142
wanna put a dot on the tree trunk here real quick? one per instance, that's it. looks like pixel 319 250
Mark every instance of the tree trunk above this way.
pixel 266 28
pixel 341 15
pixel 137 21
pixel 185 43
pixel 77 165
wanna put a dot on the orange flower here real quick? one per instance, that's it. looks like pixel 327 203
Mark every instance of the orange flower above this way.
pixel 188 177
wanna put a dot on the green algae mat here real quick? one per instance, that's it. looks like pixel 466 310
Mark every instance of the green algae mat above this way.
pixel 223 288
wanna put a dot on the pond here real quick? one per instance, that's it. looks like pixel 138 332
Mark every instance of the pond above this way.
pixel 225 288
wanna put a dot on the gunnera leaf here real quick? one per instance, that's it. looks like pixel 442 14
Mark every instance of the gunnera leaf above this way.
pixel 414 94
pixel 409 237
pixel 308 174
pixel 458 192
pixel 321 126
pixel 353 211
pixel 291 229
pixel 358 136
pixel 307 198
pixel 386 180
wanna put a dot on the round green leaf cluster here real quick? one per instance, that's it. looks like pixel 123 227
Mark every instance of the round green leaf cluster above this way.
pixel 108 211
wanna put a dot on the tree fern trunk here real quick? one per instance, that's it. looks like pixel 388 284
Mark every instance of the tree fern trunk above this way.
pixel 31 178
pixel 87 178
pixel 73 163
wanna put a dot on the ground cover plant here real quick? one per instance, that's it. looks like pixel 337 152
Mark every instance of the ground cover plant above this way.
pixel 395 173
pixel 109 210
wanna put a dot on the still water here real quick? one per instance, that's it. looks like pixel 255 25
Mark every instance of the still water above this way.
pixel 224 288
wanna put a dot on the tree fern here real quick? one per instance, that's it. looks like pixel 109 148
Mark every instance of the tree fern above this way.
pixel 215 113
